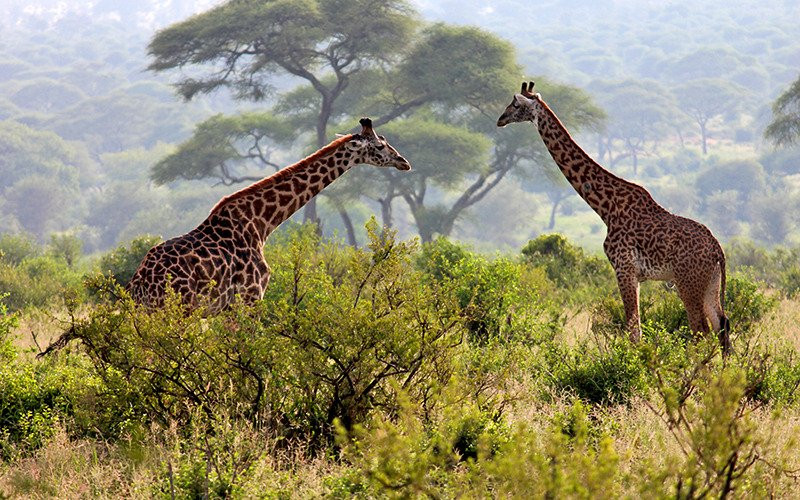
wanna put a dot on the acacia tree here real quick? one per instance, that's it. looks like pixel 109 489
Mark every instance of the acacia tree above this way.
pixel 223 147
pixel 638 114
pixel 243 45
pixel 459 154
pixel 785 127
pixel 443 90
pixel 707 98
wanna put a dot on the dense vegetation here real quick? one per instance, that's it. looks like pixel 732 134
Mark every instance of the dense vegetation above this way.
pixel 380 364
pixel 396 369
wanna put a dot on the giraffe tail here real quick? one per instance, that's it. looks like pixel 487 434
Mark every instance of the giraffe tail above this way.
pixel 724 334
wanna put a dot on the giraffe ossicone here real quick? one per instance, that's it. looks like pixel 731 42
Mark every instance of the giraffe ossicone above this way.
pixel 644 240
pixel 223 257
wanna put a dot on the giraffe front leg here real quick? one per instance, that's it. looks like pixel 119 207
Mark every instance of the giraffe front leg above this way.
pixel 629 290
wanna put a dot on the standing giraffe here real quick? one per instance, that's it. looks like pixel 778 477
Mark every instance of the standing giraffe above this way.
pixel 644 240
pixel 223 256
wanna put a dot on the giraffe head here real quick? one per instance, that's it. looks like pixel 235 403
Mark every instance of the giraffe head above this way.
pixel 369 147
pixel 522 108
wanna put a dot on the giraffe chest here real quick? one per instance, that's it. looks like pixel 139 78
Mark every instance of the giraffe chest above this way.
pixel 646 247
pixel 652 267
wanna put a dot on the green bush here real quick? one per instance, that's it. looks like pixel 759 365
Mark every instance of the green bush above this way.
pixel 122 262
pixel 14 248
pixel 401 459
pixel 776 379
pixel 610 374
pixel 572 460
pixel 746 304
pixel 35 398
pixel 498 298
pixel 340 331
pixel 779 267
pixel 38 281
pixel 582 277
pixel 8 322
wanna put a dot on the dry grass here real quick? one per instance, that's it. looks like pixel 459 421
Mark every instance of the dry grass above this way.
pixel 645 445
pixel 66 468
pixel 783 327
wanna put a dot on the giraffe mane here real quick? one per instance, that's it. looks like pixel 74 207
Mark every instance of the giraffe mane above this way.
pixel 283 173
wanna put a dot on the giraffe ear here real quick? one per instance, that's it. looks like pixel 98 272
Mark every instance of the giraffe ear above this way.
pixel 339 135
pixel 356 143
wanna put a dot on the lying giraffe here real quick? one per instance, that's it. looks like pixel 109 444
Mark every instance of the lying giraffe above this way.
pixel 644 240
pixel 227 247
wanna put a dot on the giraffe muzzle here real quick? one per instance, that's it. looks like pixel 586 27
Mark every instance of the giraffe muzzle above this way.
pixel 405 165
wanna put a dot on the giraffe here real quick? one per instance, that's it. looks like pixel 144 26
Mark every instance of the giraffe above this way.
pixel 223 256
pixel 644 241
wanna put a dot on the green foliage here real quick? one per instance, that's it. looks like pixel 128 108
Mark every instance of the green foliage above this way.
pixel 38 282
pixel 293 36
pixel 479 65
pixel 67 247
pixel 122 262
pixel 443 154
pixel 422 364
pixel 785 126
pixel 37 399
pixel 339 331
pixel 612 374
pixel 401 459
pixel 222 143
pixel 500 299
pixel 568 267
pixel 8 322
pixel 746 304
pixel 14 248
pixel 573 460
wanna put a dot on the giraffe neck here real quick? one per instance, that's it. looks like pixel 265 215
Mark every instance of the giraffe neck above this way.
pixel 255 211
pixel 608 195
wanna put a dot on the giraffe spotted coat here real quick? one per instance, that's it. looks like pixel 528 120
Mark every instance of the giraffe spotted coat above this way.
pixel 222 258
pixel 644 240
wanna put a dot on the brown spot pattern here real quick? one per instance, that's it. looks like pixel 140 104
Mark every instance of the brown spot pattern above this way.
pixel 644 240
pixel 223 258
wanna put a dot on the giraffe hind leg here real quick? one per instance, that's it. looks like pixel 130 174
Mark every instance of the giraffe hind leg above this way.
pixel 705 311
pixel 715 314
pixel 694 302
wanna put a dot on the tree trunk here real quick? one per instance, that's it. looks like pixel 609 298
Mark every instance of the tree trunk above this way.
pixel 704 136
pixel 680 136
pixel 310 213
pixel 386 212
pixel 553 211
pixel 635 158
pixel 348 226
